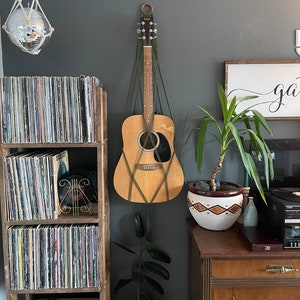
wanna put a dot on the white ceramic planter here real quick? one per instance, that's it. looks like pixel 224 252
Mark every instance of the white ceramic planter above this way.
pixel 215 210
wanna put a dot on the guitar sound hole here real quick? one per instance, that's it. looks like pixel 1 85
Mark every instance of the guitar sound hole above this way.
pixel 148 141
pixel 163 151
pixel 157 143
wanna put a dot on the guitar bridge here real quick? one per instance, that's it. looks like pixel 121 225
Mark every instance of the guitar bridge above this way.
pixel 148 167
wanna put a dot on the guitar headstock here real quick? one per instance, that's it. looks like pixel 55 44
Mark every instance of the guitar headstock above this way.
pixel 147 31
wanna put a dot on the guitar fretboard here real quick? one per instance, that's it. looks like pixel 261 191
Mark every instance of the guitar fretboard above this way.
pixel 148 90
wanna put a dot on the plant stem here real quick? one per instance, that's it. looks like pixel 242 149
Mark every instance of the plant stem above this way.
pixel 217 169
pixel 140 273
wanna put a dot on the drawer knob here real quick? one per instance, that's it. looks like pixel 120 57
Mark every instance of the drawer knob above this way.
pixel 281 268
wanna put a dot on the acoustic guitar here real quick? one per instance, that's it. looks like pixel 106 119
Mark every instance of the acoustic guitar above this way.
pixel 148 170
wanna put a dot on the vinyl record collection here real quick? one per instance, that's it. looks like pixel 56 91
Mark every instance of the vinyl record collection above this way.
pixel 32 183
pixel 47 126
pixel 45 109
pixel 53 256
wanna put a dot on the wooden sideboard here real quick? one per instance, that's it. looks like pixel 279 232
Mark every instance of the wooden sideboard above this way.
pixel 222 266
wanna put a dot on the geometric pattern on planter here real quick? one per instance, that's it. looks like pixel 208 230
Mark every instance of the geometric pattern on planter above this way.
pixel 217 209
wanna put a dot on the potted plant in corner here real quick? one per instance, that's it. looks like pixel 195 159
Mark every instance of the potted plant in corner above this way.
pixel 217 205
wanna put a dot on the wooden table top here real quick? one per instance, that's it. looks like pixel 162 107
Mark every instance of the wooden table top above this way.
pixel 230 244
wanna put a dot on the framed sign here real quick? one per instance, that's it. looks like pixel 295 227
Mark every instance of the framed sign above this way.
pixel 275 83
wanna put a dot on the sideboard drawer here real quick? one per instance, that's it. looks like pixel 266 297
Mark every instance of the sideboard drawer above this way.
pixel 255 268
pixel 221 266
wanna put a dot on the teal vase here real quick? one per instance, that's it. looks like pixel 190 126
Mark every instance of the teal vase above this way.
pixel 250 214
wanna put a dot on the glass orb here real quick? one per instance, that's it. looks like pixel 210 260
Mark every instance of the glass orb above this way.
pixel 29 30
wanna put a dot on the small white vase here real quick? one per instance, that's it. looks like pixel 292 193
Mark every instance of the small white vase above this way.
pixel 250 218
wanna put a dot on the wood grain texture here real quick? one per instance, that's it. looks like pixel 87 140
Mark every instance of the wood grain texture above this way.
pixel 160 184
pixel 222 266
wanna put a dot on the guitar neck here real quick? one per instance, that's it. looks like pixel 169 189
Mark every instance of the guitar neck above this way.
pixel 148 88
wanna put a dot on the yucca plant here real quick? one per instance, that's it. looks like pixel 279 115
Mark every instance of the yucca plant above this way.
pixel 234 128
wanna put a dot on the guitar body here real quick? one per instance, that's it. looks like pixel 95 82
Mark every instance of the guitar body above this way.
pixel 148 170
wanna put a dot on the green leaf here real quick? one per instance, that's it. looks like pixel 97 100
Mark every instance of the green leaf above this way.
pixel 238 141
pixel 121 283
pixel 267 159
pixel 223 101
pixel 155 285
pixel 261 119
pixel 246 158
pixel 231 110
pixel 249 97
pixel 201 142
pixel 159 255
pixel 248 161
pixel 157 269
pixel 125 248
pixel 255 176
pixel 138 226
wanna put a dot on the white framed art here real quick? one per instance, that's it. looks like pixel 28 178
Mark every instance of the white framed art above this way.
pixel 275 83
pixel 1 60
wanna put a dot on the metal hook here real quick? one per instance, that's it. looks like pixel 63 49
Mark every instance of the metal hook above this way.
pixel 147 9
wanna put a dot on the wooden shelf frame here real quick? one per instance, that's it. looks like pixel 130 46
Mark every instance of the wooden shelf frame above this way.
pixel 101 209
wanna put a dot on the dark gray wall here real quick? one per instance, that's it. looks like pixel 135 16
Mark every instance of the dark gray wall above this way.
pixel 97 37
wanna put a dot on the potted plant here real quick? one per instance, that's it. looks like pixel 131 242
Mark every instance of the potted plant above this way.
pixel 147 267
pixel 235 127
